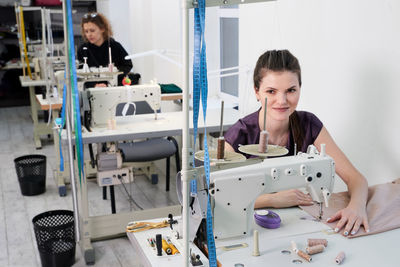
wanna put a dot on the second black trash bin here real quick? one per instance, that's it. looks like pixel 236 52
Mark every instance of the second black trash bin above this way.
pixel 55 237
pixel 31 172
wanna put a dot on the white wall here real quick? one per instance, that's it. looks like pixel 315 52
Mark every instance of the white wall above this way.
pixel 349 52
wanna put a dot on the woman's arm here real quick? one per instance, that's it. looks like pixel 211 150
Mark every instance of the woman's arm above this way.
pixel 283 199
pixel 355 213
pixel 228 147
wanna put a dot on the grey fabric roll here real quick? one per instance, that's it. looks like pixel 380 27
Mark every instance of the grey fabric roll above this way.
pixel 149 150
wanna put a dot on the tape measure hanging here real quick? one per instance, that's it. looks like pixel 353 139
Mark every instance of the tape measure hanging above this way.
pixel 74 92
pixel 200 91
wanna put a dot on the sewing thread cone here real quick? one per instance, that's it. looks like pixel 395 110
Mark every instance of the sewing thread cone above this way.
pixel 256 251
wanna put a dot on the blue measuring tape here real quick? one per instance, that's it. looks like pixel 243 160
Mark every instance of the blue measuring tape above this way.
pixel 62 122
pixel 200 91
pixel 74 86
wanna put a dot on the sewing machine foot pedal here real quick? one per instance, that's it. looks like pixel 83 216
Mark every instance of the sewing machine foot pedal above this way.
pixel 154 179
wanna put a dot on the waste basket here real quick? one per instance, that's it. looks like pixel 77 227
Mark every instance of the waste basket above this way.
pixel 55 237
pixel 31 172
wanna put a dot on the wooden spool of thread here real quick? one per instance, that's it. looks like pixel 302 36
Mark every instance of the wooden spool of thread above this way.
pixel 263 143
pixel 340 257
pixel 313 242
pixel 304 255
pixel 221 148
pixel 315 249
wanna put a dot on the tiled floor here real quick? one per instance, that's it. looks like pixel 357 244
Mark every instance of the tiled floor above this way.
pixel 17 240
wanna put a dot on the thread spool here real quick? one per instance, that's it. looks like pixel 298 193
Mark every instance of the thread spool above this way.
pixel 294 246
pixel 111 124
pixel 221 148
pixel 315 249
pixel 314 241
pixel 263 142
pixel 166 247
pixel 159 244
pixel 304 255
pixel 256 251
pixel 340 257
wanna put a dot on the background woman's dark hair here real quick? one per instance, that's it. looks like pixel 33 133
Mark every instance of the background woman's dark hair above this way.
pixel 277 61
pixel 100 20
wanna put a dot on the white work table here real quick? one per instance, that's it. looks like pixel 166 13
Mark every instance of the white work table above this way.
pixel 38 103
pixel 367 251
pixel 166 124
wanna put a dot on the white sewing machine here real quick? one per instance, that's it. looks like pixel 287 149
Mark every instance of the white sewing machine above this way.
pixel 104 100
pixel 234 190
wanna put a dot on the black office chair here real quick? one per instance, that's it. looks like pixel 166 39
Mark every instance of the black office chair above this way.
pixel 151 149
pixel 148 150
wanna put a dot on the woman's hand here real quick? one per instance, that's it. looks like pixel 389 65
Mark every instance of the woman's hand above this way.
pixel 100 85
pixel 351 218
pixel 290 198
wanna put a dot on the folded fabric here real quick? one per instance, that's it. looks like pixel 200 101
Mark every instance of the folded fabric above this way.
pixel 383 208
pixel 170 88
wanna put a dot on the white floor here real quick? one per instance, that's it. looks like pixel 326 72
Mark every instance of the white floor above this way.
pixel 17 240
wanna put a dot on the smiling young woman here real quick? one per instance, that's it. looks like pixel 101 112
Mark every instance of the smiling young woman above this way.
pixel 277 77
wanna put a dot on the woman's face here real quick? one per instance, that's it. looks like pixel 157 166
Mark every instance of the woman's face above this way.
pixel 282 90
pixel 93 33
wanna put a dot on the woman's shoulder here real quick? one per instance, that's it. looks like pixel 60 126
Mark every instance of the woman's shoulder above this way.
pixel 82 45
pixel 251 118
pixel 113 42
pixel 306 115
pixel 309 119
pixel 245 124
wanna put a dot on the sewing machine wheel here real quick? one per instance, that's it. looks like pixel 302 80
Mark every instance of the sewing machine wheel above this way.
pixel 273 150
pixel 230 157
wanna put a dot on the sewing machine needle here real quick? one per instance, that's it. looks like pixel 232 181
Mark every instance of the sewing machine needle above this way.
pixel 320 211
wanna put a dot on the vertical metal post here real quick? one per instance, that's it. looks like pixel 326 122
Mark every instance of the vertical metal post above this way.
pixel 185 130
pixel 69 114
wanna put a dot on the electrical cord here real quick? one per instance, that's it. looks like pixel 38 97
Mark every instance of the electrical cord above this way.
pixel 129 195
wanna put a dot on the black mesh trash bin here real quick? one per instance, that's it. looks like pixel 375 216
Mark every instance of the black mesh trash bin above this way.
pixel 31 172
pixel 55 237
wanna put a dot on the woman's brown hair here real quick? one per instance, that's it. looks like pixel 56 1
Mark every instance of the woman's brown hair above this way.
pixel 277 61
pixel 100 20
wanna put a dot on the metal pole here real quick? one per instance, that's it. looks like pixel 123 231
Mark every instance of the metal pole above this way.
pixel 185 130
pixel 221 126
pixel 68 112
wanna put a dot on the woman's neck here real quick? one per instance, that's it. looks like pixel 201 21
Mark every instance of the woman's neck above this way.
pixel 277 130
pixel 99 42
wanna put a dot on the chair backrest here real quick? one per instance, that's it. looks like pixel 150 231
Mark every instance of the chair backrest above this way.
pixel 142 107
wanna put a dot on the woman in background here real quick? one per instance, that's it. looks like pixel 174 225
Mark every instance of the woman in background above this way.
pixel 97 34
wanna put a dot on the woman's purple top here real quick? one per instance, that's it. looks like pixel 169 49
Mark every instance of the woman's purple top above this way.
pixel 246 131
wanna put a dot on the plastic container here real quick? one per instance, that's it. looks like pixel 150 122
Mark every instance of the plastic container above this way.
pixel 31 172
pixel 55 237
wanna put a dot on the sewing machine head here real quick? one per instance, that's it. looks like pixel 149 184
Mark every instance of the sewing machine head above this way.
pixel 103 101
pixel 89 76
pixel 234 190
